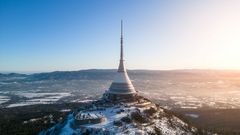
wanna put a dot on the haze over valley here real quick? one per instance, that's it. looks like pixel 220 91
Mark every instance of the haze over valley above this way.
pixel 184 89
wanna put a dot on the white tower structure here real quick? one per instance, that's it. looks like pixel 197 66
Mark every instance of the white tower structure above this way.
pixel 121 85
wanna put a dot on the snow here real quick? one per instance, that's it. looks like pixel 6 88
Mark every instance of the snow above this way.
pixel 67 130
pixel 192 115
pixel 39 98
pixel 189 107
pixel 4 99
pixel 82 101
pixel 88 115
pixel 167 124
pixel 36 95
pixel 65 110
pixel 24 104
pixel 33 120
pixel 110 116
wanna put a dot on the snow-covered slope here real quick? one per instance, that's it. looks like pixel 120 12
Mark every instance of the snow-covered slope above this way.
pixel 109 118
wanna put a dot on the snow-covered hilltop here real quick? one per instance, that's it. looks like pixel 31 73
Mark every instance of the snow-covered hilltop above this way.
pixel 139 116
pixel 122 111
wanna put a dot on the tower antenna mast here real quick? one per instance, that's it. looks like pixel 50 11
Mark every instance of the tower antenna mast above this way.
pixel 121 56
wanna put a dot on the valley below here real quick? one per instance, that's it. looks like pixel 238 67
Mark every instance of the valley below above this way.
pixel 208 99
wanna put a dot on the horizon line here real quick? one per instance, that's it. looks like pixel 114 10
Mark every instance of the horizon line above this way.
pixel 177 69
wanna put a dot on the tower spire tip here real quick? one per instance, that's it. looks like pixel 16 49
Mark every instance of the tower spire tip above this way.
pixel 121 42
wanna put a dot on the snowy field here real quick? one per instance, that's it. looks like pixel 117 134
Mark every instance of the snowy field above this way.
pixel 38 98
pixel 186 90
pixel 4 99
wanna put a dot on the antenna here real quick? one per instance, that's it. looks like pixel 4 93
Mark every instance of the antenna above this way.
pixel 121 42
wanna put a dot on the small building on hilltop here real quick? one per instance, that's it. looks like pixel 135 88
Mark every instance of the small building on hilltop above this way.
pixel 88 118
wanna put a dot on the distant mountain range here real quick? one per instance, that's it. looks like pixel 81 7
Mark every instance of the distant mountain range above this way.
pixel 12 75
pixel 107 74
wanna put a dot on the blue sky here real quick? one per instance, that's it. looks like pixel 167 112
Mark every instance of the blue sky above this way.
pixel 49 35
